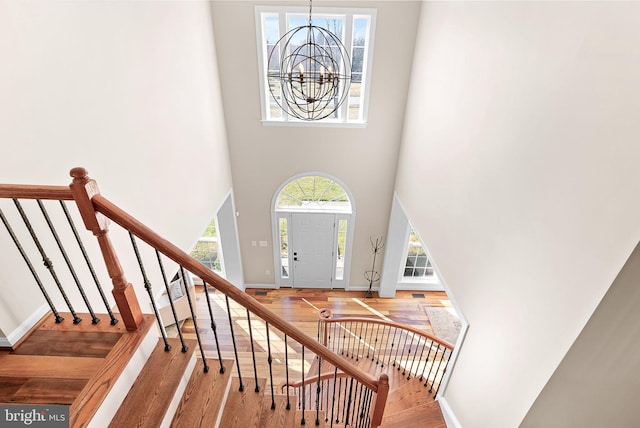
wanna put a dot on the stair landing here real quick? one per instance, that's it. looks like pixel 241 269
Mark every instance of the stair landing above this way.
pixel 68 364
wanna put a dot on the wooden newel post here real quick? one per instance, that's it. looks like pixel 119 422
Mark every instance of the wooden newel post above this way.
pixel 323 315
pixel 380 400
pixel 83 189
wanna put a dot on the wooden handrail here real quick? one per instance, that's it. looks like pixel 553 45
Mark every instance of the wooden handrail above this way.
pixel 311 379
pixel 325 316
pixel 119 216
pixel 29 191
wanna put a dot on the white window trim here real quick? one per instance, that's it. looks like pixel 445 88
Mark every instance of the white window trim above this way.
pixel 287 120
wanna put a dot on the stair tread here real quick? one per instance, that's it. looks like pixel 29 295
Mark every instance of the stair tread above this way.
pixel 149 397
pixel 204 396
pixel 412 393
pixel 279 416
pixel 242 408
pixel 425 415
pixel 96 389
pixel 43 366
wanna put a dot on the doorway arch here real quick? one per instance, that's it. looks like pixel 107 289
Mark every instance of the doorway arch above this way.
pixel 313 218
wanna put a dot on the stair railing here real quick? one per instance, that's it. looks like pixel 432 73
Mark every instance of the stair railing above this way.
pixel 409 351
pixel 367 400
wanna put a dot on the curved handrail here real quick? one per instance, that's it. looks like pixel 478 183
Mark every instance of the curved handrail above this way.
pixel 28 191
pixel 312 379
pixel 137 228
pixel 325 316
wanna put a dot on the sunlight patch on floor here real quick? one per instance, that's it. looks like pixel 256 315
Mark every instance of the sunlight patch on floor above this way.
pixel 370 309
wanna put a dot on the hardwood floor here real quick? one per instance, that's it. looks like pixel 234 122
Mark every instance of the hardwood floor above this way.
pixel 300 307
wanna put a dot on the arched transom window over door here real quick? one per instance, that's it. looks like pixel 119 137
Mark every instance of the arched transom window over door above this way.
pixel 313 216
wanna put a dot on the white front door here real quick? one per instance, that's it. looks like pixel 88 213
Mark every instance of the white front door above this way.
pixel 311 252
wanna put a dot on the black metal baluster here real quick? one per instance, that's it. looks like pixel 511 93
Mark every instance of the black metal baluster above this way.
pixel 147 286
pixel 402 350
pixel 366 341
pixel 348 409
pixel 433 364
pixel 194 318
pixel 327 385
pixel 253 352
pixel 333 397
pixel 333 346
pixel 233 341
pixel 59 319
pixel 270 361
pixel 358 340
pixel 386 344
pixel 444 370
pixel 426 360
pixel 302 421
pixel 393 342
pixel 350 334
pixel 171 304
pixel 87 260
pixel 47 261
pixel 415 357
pixel 435 375
pixel 45 214
pixel 367 408
pixel 318 391
pixel 375 343
pixel 407 365
pixel 286 364
pixel 214 327
pixel 339 395
pixel 344 339
pixel 354 406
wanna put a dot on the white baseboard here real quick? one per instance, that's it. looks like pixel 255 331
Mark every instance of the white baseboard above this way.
pixel 267 286
pixel 15 336
pixel 449 417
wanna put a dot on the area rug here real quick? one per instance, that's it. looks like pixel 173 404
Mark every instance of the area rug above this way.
pixel 444 322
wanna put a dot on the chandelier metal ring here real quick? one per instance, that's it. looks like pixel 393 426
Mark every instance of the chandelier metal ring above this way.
pixel 312 78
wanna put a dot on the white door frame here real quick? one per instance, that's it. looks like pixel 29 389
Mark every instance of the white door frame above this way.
pixel 349 217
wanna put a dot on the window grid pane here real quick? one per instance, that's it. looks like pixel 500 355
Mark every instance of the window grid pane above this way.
pixel 417 264
pixel 336 23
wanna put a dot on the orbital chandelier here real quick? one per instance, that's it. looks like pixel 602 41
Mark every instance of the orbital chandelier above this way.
pixel 313 75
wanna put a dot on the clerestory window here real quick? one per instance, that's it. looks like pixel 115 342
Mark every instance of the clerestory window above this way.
pixel 354 27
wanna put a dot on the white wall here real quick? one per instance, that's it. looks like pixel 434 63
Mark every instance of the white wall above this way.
pixel 519 168
pixel 130 91
pixel 595 385
pixel 263 157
